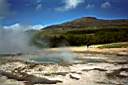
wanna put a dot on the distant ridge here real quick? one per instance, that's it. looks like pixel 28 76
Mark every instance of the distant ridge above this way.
pixel 86 22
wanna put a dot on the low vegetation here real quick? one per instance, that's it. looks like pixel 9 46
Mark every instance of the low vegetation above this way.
pixel 79 37
pixel 119 45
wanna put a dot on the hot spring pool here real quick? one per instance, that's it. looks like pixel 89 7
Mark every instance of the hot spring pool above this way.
pixel 53 58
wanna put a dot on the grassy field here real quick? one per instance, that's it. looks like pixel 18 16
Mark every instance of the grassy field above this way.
pixel 115 45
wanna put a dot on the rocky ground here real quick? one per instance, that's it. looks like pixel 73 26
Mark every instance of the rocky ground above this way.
pixel 81 69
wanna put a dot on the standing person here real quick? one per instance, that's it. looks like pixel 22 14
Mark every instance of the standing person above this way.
pixel 88 44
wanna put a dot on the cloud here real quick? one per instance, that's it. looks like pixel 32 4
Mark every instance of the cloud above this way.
pixel 39 1
pixel 70 4
pixel 37 27
pixel 15 26
pixel 4 8
pixel 106 5
pixel 39 6
pixel 89 6
pixel 18 26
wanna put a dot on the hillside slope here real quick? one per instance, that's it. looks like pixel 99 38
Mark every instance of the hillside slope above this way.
pixel 90 22
pixel 83 31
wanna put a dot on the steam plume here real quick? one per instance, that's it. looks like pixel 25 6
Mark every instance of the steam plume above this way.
pixel 14 41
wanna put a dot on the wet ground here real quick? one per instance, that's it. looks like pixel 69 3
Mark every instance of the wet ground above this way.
pixel 64 69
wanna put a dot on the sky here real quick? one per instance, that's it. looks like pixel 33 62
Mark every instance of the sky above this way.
pixel 37 14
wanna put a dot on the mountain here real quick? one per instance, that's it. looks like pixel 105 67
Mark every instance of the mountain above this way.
pixel 89 22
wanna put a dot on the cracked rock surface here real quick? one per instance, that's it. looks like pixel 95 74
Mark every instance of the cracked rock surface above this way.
pixel 87 69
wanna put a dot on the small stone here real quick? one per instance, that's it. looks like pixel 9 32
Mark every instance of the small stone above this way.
pixel 124 73
pixel 75 76
pixel 27 83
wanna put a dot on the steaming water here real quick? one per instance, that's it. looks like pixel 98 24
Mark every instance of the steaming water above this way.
pixel 56 58
pixel 14 41
pixel 62 56
pixel 41 59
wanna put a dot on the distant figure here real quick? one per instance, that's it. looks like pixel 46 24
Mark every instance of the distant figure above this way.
pixel 88 44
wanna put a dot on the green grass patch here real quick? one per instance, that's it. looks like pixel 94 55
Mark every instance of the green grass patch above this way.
pixel 114 46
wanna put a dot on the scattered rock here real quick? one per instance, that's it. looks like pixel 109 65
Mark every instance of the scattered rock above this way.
pixel 27 83
pixel 121 73
pixel 98 69
pixel 75 76
pixel 58 73
pixel 124 73
pixel 30 78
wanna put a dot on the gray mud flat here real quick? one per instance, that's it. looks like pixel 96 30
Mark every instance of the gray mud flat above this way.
pixel 86 69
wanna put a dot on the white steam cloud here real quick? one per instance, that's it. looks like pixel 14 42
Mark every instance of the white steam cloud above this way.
pixel 15 40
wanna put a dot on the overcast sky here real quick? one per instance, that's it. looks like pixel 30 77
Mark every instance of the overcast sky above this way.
pixel 40 13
